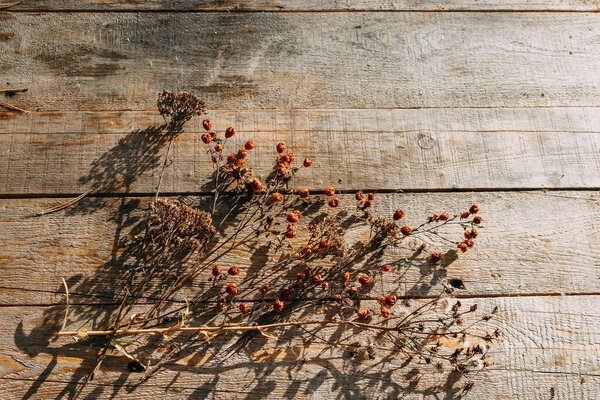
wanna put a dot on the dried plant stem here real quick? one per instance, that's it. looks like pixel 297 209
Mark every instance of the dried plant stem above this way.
pixel 10 106
pixel 164 166
pixel 229 328
pixel 8 5
pixel 64 205
pixel 12 90
pixel 68 303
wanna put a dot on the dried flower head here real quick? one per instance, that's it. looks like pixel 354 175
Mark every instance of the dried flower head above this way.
pixel 180 107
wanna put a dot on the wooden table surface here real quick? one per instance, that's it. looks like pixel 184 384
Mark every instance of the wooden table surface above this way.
pixel 453 102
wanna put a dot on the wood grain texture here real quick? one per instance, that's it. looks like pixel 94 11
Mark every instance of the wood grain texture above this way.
pixel 78 61
pixel 306 5
pixel 68 153
pixel 521 249
pixel 548 344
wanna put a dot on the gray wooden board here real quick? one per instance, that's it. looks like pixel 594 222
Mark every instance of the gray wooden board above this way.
pixel 79 61
pixel 67 153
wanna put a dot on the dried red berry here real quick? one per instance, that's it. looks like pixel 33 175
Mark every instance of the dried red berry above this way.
pixel 233 270
pixel 325 286
pixel 243 307
pixel 207 124
pixel 339 299
pixel 334 202
pixel 406 230
pixel 353 291
pixel 276 197
pixel 291 232
pixel 255 185
pixel 365 280
pixel 216 271
pixel 303 193
pixel 293 217
pixel 474 209
pixel 242 153
pixel 370 196
pixel 385 312
pixel 444 216
pixel 218 148
pixel 249 145
pixel 317 280
pixel 229 132
pixel 213 134
pixel 221 304
pixel 359 196
pixel 232 289
pixel 362 313
pixel 469 242
pixel 464 215
pixel 477 220
pixel 264 289
pixel 390 300
pixel 462 247
pixel 386 268
pixel 307 162
pixel 281 147
pixel 329 191
pixel 278 305
pixel 205 138
pixel 398 214
pixel 346 276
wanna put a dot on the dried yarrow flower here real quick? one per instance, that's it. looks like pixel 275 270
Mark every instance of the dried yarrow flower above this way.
pixel 180 107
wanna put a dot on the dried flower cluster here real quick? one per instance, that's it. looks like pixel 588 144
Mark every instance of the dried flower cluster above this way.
pixel 325 250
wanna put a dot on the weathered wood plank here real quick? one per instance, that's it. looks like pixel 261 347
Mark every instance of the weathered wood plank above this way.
pixel 306 5
pixel 75 61
pixel 68 153
pixel 531 242
pixel 548 345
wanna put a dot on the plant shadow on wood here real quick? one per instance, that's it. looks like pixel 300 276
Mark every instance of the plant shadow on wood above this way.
pixel 174 265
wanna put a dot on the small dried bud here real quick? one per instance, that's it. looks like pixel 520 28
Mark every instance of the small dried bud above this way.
pixel 221 304
pixel 359 196
pixel 288 157
pixel 278 305
pixel 473 308
pixel 229 132
pixel 255 185
pixel 218 148
pixel 216 271
pixel 386 268
pixel 365 280
pixel 291 232
pixel 462 247
pixel 474 209
pixel 370 196
pixel 270 219
pixel 334 202
pixel 323 244
pixel 307 162
pixel 353 291
pixel 406 230
pixel 477 220
pixel 249 145
pixel 325 286
pixel 231 158
pixel 329 191
pixel 213 134
pixel 444 216
pixel 465 215
pixel 281 147
pixel 285 294
pixel 346 276
pixel 243 307
pixel 207 124
pixel 435 257
pixel 264 289
pixel 398 214
pixel 474 233
pixel 232 289
pixel 390 300
pixel 293 217
pixel 282 170
pixel 385 312
pixel 242 153
pixel 276 197
pixel 317 280
pixel 339 299
pixel 303 193
pixel 233 270
pixel 469 242
pixel 205 138
pixel 362 313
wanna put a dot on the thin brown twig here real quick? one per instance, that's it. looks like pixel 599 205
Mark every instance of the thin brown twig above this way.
pixel 4 6
pixel 12 107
